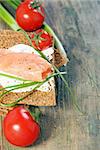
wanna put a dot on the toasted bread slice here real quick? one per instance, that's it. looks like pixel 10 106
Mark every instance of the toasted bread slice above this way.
pixel 9 38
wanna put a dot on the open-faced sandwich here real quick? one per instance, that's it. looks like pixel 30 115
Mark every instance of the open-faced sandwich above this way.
pixel 22 61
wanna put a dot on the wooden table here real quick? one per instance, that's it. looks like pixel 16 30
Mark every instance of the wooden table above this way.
pixel 77 24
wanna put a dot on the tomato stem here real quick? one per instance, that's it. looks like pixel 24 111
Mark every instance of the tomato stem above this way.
pixel 35 112
pixel 35 4
pixel 37 37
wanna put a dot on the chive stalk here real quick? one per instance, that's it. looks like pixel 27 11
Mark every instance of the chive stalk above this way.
pixel 29 84
pixel 19 86
pixel 16 2
pixel 12 77
pixel 5 15
pixel 12 3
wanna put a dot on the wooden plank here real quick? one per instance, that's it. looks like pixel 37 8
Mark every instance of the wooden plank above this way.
pixel 77 23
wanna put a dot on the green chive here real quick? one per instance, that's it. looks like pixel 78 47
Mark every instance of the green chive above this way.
pixel 12 77
pixel 5 15
pixel 35 88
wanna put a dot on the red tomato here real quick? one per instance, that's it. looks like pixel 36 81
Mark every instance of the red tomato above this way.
pixel 20 128
pixel 30 15
pixel 41 39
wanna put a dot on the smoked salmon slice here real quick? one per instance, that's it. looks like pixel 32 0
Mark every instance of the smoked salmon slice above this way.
pixel 28 66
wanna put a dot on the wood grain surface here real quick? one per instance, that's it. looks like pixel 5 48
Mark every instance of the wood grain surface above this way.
pixel 77 24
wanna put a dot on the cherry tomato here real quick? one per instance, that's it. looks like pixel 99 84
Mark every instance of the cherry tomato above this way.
pixel 30 15
pixel 41 39
pixel 20 128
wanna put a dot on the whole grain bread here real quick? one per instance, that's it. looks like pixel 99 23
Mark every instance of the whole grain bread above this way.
pixel 9 38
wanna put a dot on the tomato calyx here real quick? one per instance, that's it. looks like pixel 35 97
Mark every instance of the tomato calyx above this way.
pixel 35 4
pixel 41 39
pixel 37 38
pixel 35 112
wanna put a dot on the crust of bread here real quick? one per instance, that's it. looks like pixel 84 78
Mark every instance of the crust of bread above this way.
pixel 36 98
pixel 9 38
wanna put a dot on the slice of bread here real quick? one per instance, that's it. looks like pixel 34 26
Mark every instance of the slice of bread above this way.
pixel 9 38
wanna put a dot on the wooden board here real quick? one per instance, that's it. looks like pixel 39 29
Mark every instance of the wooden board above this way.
pixel 77 23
